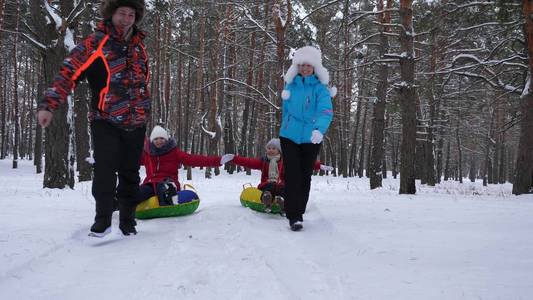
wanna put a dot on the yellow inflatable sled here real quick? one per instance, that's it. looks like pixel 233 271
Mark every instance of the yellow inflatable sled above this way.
pixel 251 197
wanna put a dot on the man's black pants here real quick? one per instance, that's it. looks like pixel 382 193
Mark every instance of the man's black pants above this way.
pixel 117 152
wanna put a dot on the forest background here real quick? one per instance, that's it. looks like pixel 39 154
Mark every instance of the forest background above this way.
pixel 428 90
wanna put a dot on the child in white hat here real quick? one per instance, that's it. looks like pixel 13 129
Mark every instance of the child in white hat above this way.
pixel 162 159
pixel 272 173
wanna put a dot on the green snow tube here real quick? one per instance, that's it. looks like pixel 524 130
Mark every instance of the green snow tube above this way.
pixel 187 203
pixel 251 197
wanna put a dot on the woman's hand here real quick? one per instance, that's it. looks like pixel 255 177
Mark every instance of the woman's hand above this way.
pixel 316 137
pixel 226 158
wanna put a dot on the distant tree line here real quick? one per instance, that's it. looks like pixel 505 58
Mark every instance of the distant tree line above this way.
pixel 429 90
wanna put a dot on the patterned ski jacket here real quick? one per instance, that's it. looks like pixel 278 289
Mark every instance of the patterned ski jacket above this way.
pixel 164 163
pixel 117 71
pixel 262 164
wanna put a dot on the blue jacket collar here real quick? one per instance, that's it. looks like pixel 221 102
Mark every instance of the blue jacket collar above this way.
pixel 308 80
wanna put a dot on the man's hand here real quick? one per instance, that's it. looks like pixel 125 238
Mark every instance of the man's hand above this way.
pixel 44 118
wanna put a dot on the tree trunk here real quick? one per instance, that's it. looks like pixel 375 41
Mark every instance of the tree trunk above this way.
pixel 198 91
pixel 447 164
pixel 524 162
pixel 459 157
pixel 361 167
pixel 16 117
pixel 81 108
pixel 38 149
pixel 3 98
pixel 281 28
pixel 430 139
pixel 3 114
pixel 377 157
pixel 472 171
pixel 407 100
pixel 56 173
pixel 488 145
pixel 229 128
pixel 502 167
pixel 246 120
pixel 212 113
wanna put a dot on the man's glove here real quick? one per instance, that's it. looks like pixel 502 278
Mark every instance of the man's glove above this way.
pixel 316 137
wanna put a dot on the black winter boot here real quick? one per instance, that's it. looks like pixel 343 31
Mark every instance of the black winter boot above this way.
pixel 127 219
pixel 101 226
pixel 296 225
pixel 127 228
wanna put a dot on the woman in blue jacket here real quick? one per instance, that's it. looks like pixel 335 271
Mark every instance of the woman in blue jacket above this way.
pixel 306 115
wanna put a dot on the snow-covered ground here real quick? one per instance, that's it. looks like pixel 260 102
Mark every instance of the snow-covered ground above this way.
pixel 453 241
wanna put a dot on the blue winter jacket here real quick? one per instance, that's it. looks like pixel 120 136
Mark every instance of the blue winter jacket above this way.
pixel 307 108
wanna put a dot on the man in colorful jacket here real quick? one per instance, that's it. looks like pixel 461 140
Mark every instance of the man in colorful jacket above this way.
pixel 115 63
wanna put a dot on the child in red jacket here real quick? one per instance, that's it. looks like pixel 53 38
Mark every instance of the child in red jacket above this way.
pixel 162 159
pixel 272 178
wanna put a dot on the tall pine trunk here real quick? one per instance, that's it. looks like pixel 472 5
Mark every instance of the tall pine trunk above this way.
pixel 377 157
pixel 407 100
pixel 524 161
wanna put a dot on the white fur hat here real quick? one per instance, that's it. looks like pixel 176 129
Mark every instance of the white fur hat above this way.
pixel 158 132
pixel 274 143
pixel 308 55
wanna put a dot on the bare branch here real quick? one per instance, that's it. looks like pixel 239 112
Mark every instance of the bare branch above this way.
pixel 320 7
pixel 247 85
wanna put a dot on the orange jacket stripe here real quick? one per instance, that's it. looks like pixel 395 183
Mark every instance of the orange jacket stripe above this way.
pixel 147 67
pixel 97 54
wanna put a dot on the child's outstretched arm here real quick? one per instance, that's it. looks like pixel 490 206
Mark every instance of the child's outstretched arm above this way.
pixel 319 166
pixel 194 160
pixel 252 163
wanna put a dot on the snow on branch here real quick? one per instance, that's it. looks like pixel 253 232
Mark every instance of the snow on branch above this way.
pixel 249 16
pixel 69 40
pixel 279 22
pixel 482 3
pixel 51 12
pixel 493 62
pixel 364 40
pixel 498 85
pixel 76 12
pixel 27 37
pixel 320 7
pixel 396 55
pixel 450 51
pixel 210 133
pixel 184 53
pixel 369 13
pixel 526 90
pixel 468 56
pixel 488 24
pixel 276 13
pixel 390 60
